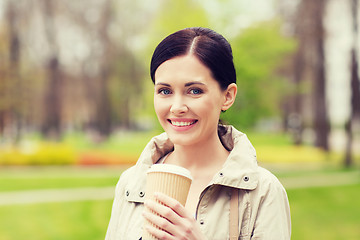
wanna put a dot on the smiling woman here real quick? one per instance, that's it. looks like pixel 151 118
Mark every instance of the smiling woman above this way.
pixel 188 102
pixel 230 197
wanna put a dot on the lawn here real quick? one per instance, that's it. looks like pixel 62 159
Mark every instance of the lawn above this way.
pixel 329 213
pixel 56 221
pixel 29 178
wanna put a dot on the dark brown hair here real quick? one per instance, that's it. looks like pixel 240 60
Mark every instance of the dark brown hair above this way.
pixel 211 48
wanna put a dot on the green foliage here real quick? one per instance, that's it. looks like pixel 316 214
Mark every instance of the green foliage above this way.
pixel 191 13
pixel 176 15
pixel 173 16
pixel 258 53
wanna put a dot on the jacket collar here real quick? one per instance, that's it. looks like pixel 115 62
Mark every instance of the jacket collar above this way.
pixel 239 170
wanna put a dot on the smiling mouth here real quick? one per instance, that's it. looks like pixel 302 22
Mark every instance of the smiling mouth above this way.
pixel 182 123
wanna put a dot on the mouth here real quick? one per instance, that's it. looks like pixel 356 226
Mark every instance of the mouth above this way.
pixel 182 122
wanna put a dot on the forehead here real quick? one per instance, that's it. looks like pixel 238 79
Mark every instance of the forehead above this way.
pixel 183 68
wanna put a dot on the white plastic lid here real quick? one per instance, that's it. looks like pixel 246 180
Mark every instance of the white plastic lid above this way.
pixel 170 168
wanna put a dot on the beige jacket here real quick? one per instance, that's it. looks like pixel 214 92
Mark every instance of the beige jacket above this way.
pixel 263 205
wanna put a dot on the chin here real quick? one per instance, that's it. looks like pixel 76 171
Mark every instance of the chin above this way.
pixel 181 140
pixel 186 139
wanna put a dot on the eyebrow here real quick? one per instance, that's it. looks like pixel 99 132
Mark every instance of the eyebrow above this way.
pixel 186 84
pixel 193 83
pixel 164 84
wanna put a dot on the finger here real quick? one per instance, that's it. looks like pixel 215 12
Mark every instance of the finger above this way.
pixel 154 216
pixel 172 203
pixel 158 233
pixel 175 225
pixel 162 210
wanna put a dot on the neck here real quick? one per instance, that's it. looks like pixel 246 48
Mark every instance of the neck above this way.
pixel 202 157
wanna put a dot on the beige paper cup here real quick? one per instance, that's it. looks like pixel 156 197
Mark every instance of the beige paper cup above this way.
pixel 169 179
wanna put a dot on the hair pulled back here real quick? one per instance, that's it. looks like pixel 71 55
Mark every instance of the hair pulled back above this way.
pixel 211 48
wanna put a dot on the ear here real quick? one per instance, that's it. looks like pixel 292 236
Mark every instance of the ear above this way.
pixel 230 95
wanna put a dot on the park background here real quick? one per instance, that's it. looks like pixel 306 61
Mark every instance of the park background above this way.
pixel 76 105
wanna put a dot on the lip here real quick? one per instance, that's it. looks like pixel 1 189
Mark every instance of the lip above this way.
pixel 182 124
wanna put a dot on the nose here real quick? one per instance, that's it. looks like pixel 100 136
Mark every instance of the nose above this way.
pixel 178 106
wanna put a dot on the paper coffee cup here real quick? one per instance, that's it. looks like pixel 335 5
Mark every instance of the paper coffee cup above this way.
pixel 169 179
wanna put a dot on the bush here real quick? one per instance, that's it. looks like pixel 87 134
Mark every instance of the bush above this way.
pixel 44 153
pixel 100 158
pixel 290 154
pixel 51 153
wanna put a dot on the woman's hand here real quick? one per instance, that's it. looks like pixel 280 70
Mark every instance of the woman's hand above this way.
pixel 172 219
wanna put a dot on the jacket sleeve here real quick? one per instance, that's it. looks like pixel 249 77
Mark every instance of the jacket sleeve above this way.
pixel 273 219
pixel 116 208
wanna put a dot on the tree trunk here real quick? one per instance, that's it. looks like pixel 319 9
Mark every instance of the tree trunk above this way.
pixel 51 127
pixel 103 118
pixel 103 110
pixel 15 87
pixel 296 116
pixel 52 121
pixel 321 122
pixel 355 89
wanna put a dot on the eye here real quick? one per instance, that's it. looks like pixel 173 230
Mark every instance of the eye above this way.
pixel 196 91
pixel 164 91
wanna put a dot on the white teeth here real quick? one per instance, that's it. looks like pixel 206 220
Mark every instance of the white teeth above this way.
pixel 182 124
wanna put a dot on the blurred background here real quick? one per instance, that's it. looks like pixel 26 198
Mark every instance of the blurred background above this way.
pixel 76 105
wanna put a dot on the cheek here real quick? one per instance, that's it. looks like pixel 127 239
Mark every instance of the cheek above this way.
pixel 160 107
pixel 210 108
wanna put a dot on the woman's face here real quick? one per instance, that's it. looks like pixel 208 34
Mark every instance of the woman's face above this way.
pixel 187 100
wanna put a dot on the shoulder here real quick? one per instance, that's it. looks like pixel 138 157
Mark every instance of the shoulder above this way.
pixel 269 183
pixel 132 183
pixel 267 176
pixel 125 175
pixel 124 179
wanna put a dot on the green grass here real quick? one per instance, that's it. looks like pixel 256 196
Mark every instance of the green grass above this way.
pixel 124 142
pixel 297 170
pixel 28 178
pixel 56 221
pixel 16 184
pixel 330 213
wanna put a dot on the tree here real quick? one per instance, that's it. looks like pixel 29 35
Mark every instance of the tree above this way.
pixel 355 87
pixel 321 121
pixel 84 67
pixel 259 52
pixel 309 73
pixel 12 112
pixel 51 126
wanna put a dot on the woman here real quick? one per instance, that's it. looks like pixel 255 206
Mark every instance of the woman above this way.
pixel 230 196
